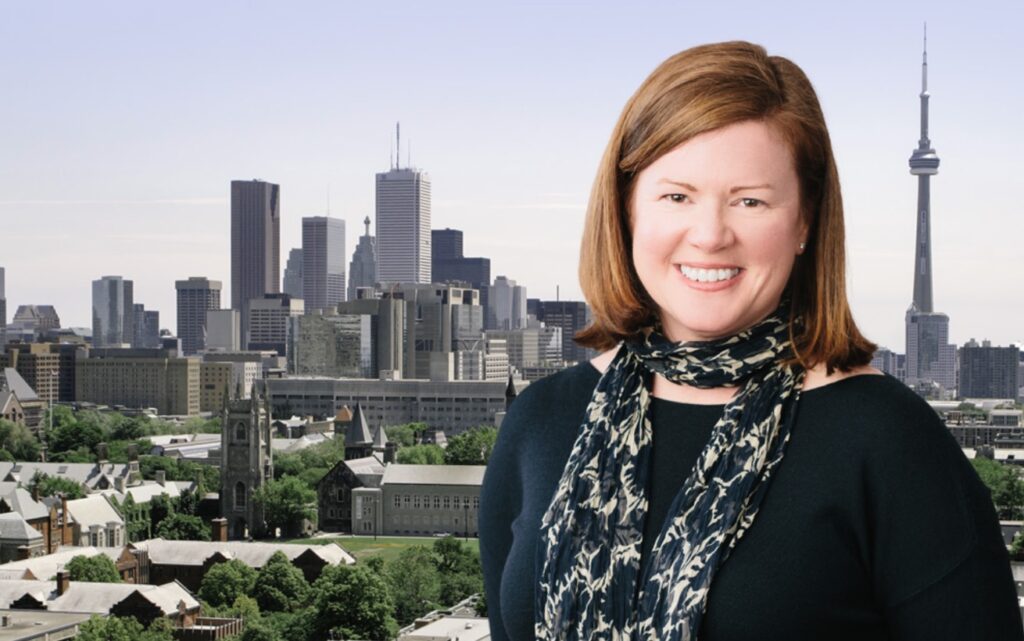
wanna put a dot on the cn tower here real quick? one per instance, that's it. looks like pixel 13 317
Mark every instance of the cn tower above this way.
pixel 924 163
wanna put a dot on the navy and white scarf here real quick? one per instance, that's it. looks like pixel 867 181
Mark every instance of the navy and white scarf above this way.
pixel 590 536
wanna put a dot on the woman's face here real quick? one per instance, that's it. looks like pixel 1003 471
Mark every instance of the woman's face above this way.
pixel 722 208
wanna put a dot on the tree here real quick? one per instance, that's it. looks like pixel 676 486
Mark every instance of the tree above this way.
pixel 1005 484
pixel 18 441
pixel 99 628
pixel 225 582
pixel 1017 546
pixel 425 454
pixel 258 631
pixel 286 503
pixel 415 583
pixel 405 435
pixel 159 509
pixel 353 602
pixel 280 586
pixel 472 447
pixel 188 501
pixel 95 569
pixel 183 527
pixel 460 570
pixel 48 485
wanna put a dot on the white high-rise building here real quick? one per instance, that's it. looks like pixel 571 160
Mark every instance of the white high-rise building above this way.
pixel 403 226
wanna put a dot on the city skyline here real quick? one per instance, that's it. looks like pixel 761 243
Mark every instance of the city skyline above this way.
pixel 509 129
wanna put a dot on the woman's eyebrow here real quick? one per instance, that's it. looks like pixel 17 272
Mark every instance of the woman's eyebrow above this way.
pixel 694 189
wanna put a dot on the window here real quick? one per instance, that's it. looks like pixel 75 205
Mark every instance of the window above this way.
pixel 416 502
pixel 239 496
pixel 341 494
pixel 240 431
pixel 447 502
pixel 405 501
pixel 437 502
pixel 398 501
pixel 476 502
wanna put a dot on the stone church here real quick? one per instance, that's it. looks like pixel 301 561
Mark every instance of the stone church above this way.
pixel 246 461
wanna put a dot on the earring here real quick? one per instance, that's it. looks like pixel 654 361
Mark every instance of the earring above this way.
pixel 802 246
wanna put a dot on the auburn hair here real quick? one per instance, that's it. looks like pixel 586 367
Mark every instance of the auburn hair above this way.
pixel 693 92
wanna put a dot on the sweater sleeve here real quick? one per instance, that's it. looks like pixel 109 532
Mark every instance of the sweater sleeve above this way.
pixel 499 505
pixel 941 569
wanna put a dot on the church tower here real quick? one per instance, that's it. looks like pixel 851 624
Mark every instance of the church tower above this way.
pixel 246 460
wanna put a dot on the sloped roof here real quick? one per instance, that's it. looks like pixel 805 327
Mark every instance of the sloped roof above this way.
pixel 13 590
pixel 99 598
pixel 47 566
pixel 344 414
pixel 88 474
pixel 300 443
pixel 22 502
pixel 409 474
pixel 368 469
pixel 17 384
pixel 7 400
pixel 253 554
pixel 15 574
pixel 14 527
pixel 93 510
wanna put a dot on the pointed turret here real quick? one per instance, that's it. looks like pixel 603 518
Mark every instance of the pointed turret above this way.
pixel 358 432
pixel 510 390
pixel 380 439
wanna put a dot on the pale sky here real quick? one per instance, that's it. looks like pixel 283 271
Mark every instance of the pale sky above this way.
pixel 123 123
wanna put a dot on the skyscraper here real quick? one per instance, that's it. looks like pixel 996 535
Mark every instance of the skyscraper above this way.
pixel 446 244
pixel 113 312
pixel 931 361
pixel 989 372
pixel 147 327
pixel 293 274
pixel 255 243
pixel 3 310
pixel 448 265
pixel 196 296
pixel 323 262
pixel 403 226
pixel 363 268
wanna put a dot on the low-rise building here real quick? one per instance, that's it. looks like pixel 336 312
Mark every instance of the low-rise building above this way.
pixel 188 561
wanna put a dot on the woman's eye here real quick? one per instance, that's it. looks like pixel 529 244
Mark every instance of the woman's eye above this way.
pixel 753 200
pixel 676 198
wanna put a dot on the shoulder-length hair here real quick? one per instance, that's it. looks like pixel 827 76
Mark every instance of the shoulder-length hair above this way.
pixel 695 91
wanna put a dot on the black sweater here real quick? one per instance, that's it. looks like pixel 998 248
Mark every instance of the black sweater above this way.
pixel 875 526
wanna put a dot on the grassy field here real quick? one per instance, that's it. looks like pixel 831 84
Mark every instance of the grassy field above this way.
pixel 386 546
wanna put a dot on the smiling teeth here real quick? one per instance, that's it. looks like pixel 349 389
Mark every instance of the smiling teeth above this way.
pixel 708 275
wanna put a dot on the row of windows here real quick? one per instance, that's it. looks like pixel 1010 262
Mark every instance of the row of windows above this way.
pixel 445 502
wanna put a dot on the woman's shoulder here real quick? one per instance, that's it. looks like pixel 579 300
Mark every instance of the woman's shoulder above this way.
pixel 565 391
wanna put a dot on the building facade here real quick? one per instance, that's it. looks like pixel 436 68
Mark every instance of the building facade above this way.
pixel 255 243
pixel 362 270
pixel 323 262
pixel 196 297
pixel 113 312
pixel 403 226
pixel 268 321
pixel 292 283
pixel 139 378
pixel 989 372
pixel 247 462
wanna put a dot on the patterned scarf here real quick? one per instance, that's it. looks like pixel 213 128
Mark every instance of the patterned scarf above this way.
pixel 590 536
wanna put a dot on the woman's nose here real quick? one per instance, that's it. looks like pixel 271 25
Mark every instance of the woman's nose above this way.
pixel 709 230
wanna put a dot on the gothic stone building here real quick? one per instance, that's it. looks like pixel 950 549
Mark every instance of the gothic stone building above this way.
pixel 246 461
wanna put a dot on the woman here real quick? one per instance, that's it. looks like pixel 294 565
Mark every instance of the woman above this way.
pixel 730 467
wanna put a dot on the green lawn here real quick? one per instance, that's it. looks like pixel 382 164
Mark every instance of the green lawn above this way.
pixel 385 546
